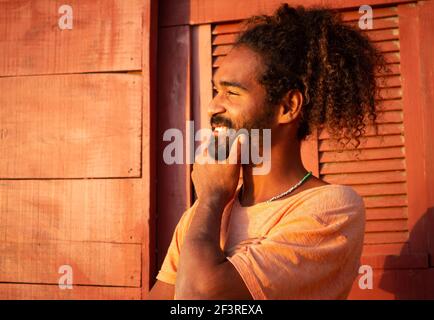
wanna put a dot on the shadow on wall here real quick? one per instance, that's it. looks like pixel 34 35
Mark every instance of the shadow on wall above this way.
pixel 417 282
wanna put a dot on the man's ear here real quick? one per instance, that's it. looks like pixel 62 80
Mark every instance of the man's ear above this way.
pixel 290 106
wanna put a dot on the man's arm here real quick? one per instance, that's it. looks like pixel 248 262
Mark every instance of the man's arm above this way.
pixel 161 291
pixel 204 272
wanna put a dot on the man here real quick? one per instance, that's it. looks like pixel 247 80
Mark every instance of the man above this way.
pixel 285 234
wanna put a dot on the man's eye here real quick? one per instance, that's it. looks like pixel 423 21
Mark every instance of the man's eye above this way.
pixel 233 93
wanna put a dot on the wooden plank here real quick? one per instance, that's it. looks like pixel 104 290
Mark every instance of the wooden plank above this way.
pixel 224 39
pixel 363 166
pixel 106 210
pixel 413 125
pixel 385 249
pixel 380 189
pixel 352 19
pixel 105 36
pixel 390 93
pixel 377 13
pixel 426 25
pixel 383 46
pixel 392 57
pixel 388 45
pixel 386 225
pixel 14 291
pixel 75 131
pixel 202 75
pixel 382 35
pixel 393 68
pixel 374 35
pixel 389 117
pixel 381 129
pixel 181 12
pixel 389 82
pixel 377 23
pixel 221 50
pixel 386 237
pixel 385 201
pixel 364 154
pixel 366 142
pixel 386 213
pixel 174 110
pixel 365 178
pixel 389 105
pixel 149 145
pixel 92 263
pixel 223 28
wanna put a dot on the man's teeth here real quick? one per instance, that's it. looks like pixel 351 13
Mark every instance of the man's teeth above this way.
pixel 220 129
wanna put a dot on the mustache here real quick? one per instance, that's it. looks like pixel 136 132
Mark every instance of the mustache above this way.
pixel 218 120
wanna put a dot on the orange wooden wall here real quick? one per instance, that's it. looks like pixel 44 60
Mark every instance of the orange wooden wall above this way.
pixel 82 181
pixel 394 167
pixel 75 149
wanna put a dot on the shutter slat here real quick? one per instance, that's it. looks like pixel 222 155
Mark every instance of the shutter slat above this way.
pixel 389 105
pixel 389 117
pixel 377 13
pixel 382 23
pixel 382 130
pixel 365 154
pixel 392 57
pixel 363 166
pixel 388 82
pixel 385 201
pixel 386 237
pixel 386 225
pixel 366 142
pixel 361 178
pixel 386 213
pixel 380 189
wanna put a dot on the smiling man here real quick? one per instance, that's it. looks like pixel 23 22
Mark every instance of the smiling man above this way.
pixel 285 234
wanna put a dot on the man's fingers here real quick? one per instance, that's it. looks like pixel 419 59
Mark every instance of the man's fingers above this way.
pixel 235 152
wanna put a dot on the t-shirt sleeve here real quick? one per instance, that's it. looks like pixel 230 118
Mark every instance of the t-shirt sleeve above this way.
pixel 313 253
pixel 169 267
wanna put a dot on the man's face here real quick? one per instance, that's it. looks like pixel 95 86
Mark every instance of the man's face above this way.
pixel 240 102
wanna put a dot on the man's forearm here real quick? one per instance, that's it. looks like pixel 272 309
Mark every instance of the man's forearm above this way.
pixel 200 253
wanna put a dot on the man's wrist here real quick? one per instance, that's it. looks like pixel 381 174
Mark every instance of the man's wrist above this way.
pixel 213 203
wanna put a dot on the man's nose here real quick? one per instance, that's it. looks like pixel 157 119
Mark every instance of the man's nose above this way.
pixel 215 107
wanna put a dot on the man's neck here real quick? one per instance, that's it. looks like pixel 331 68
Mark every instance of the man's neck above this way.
pixel 286 170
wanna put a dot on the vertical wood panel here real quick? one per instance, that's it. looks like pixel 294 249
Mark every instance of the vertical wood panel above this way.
pixel 149 125
pixel 426 29
pixel 202 74
pixel 413 118
pixel 173 111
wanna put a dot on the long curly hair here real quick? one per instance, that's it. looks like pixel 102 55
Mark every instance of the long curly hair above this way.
pixel 331 63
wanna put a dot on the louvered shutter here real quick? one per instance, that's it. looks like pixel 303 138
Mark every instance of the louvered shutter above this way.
pixel 376 169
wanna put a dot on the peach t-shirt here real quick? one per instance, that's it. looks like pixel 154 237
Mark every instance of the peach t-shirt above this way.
pixel 305 246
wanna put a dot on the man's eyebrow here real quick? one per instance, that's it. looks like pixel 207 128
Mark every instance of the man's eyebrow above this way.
pixel 231 84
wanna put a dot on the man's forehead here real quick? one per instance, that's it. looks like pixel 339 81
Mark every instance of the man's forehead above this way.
pixel 240 65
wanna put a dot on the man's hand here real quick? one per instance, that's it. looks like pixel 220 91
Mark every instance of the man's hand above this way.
pixel 215 182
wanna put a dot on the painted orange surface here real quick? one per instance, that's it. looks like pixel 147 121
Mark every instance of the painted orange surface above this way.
pixel 82 181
